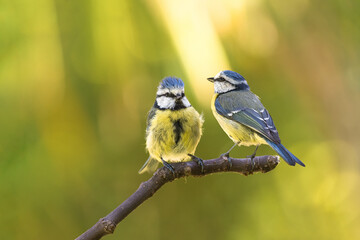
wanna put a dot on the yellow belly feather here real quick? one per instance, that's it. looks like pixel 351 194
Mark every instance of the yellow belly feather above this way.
pixel 237 132
pixel 161 136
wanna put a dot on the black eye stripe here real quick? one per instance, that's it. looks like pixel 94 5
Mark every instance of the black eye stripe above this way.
pixel 169 95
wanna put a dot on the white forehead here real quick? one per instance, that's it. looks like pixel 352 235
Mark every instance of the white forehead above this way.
pixel 174 91
pixel 219 75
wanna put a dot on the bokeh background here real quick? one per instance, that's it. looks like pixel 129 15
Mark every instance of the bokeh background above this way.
pixel 78 77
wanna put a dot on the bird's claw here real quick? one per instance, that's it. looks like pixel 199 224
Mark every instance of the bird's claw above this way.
pixel 168 166
pixel 252 162
pixel 226 156
pixel 199 161
pixel 252 156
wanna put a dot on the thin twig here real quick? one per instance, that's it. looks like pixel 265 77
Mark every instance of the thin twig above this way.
pixel 146 189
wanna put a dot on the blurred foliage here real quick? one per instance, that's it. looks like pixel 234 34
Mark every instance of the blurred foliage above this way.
pixel 78 77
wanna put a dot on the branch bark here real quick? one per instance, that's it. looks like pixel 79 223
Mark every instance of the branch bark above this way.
pixel 146 189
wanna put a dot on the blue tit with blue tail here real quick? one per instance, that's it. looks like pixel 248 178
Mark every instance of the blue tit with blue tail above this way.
pixel 173 129
pixel 243 117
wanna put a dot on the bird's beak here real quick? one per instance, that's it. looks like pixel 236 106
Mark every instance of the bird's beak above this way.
pixel 211 79
pixel 178 96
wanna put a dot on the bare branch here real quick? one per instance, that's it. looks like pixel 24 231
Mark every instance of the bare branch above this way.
pixel 146 189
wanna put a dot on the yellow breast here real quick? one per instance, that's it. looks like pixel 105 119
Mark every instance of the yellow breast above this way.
pixel 237 132
pixel 174 134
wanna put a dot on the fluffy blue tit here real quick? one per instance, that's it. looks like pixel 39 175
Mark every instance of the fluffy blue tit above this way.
pixel 173 129
pixel 243 117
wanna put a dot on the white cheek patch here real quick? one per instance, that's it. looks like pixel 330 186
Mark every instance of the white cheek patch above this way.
pixel 221 87
pixel 186 102
pixel 165 102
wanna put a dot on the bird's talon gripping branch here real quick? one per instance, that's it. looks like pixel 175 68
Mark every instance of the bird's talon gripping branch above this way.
pixel 226 156
pixel 168 166
pixel 230 162
pixel 252 156
pixel 199 161
pixel 252 162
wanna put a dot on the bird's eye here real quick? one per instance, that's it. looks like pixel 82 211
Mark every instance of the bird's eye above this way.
pixel 171 95
pixel 167 95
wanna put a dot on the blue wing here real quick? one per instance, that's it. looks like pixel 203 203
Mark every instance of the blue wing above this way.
pixel 259 121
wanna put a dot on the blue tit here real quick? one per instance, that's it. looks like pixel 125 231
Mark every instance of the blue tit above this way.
pixel 243 117
pixel 173 129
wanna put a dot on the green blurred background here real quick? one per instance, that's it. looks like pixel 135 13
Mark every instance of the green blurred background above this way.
pixel 78 77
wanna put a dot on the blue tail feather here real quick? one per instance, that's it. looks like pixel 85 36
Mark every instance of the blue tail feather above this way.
pixel 295 158
pixel 285 154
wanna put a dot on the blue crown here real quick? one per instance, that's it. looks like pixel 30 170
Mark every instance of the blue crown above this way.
pixel 233 75
pixel 171 82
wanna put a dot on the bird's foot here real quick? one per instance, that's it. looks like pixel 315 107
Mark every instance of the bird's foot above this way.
pixel 226 156
pixel 168 166
pixel 252 162
pixel 252 156
pixel 199 161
